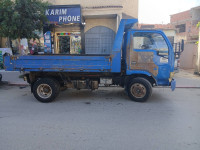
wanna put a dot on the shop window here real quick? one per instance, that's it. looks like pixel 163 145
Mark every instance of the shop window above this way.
pixel 75 44
pixel 69 43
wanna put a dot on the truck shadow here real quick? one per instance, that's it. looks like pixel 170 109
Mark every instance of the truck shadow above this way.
pixel 103 94
pixel 114 94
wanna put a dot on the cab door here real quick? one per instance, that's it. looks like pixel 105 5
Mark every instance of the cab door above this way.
pixel 149 52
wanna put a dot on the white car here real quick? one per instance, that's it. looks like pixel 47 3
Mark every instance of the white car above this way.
pixel 4 52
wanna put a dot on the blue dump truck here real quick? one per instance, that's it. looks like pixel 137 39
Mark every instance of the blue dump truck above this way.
pixel 140 60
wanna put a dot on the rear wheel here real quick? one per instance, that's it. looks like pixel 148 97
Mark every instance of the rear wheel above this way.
pixel 139 89
pixel 46 89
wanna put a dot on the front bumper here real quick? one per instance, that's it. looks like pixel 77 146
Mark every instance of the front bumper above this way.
pixel 172 81
pixel 173 84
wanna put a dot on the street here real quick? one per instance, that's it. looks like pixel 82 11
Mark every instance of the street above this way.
pixel 100 120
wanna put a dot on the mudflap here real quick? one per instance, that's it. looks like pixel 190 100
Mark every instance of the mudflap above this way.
pixel 173 84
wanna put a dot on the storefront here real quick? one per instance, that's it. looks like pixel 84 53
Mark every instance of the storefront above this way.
pixel 89 27
pixel 84 28
pixel 64 30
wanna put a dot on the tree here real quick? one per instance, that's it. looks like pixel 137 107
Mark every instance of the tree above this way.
pixel 198 26
pixel 21 18
pixel 6 17
pixel 198 52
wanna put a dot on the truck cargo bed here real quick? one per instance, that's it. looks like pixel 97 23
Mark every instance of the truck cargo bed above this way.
pixel 55 63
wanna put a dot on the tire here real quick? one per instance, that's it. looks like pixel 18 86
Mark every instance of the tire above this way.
pixel 57 86
pixel 46 90
pixel 0 77
pixel 139 89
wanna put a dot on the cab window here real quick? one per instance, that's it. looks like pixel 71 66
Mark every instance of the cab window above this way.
pixel 151 41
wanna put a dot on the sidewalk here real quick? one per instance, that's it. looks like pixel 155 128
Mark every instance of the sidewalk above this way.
pixel 187 79
pixel 12 77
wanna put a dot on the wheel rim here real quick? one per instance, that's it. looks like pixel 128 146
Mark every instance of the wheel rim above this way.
pixel 44 91
pixel 138 90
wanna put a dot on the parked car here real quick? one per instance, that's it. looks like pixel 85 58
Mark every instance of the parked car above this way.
pixel 4 52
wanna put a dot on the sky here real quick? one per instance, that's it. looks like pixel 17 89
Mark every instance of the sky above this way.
pixel 159 11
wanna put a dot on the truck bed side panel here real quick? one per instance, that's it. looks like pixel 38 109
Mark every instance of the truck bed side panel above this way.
pixel 59 63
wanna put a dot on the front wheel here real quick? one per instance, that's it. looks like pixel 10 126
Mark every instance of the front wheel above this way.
pixel 139 89
pixel 46 90
pixel 0 77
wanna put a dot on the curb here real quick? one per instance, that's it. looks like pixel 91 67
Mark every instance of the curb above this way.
pixel 179 87
pixel 190 87
pixel 4 71
pixel 13 84
pixel 17 84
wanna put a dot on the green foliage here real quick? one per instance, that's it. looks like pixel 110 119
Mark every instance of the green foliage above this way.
pixel 20 18
pixel 198 24
pixel 6 17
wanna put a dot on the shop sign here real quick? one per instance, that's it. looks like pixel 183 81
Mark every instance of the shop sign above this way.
pixel 63 14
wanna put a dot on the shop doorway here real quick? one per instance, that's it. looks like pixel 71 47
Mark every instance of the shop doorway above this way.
pixel 64 44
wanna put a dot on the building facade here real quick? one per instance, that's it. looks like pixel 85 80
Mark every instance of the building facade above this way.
pixel 94 30
pixel 185 25
pixel 169 31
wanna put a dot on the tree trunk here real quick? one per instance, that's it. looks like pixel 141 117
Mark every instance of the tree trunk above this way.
pixel 7 42
pixel 19 41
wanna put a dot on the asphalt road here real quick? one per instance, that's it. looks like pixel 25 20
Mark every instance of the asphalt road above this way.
pixel 101 120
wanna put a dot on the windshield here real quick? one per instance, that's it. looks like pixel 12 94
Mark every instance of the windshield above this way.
pixel 152 41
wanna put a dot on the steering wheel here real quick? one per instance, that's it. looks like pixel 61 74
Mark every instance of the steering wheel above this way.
pixel 144 46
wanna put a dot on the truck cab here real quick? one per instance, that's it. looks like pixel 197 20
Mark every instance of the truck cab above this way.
pixel 149 52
